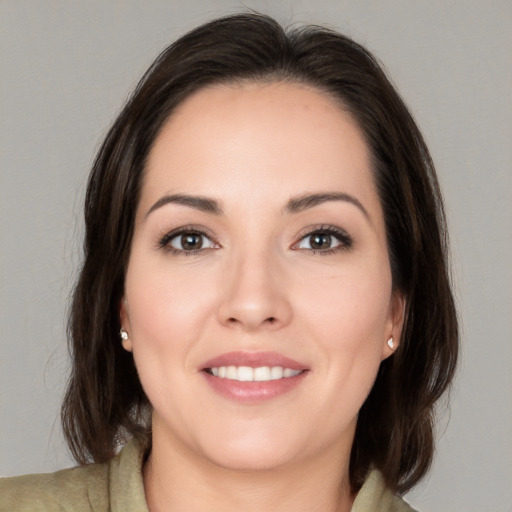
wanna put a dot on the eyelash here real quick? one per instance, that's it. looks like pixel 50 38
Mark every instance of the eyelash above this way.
pixel 344 239
pixel 164 242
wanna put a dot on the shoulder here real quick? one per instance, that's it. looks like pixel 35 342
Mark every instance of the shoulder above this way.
pixel 374 496
pixel 90 488
pixel 81 489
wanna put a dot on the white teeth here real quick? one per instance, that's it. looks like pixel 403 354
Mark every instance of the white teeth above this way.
pixel 262 373
pixel 245 373
pixel 248 374
pixel 276 372
pixel 231 373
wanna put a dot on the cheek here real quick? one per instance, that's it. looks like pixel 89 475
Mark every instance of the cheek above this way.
pixel 348 317
pixel 166 308
pixel 343 319
pixel 350 308
pixel 166 313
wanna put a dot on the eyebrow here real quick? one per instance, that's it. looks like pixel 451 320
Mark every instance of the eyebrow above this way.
pixel 306 201
pixel 204 204
pixel 294 205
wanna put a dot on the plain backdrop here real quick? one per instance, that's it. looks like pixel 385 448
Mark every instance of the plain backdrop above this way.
pixel 66 68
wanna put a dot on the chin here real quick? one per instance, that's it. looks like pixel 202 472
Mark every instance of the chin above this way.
pixel 258 452
pixel 249 460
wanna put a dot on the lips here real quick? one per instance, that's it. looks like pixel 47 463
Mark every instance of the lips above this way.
pixel 253 360
pixel 252 377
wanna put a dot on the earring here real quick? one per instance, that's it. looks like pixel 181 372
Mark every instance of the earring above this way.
pixel 391 343
pixel 123 334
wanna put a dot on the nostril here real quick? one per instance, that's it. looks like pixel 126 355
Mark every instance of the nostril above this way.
pixel 270 320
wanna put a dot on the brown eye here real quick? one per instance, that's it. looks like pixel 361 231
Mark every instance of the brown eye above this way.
pixel 190 241
pixel 320 241
pixel 325 240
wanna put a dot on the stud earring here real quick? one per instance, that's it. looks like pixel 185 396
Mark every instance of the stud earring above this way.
pixel 123 334
pixel 391 343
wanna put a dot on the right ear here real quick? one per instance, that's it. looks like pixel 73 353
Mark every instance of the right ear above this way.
pixel 124 318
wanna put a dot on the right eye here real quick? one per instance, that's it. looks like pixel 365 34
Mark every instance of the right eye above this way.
pixel 187 242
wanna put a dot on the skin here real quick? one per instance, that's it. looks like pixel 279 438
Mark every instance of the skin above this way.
pixel 257 286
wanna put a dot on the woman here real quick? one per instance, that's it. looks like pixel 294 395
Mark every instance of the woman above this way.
pixel 264 319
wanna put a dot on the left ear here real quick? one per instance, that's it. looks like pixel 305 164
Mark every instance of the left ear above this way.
pixel 124 320
pixel 394 324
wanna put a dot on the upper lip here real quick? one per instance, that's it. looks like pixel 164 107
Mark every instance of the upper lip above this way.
pixel 253 360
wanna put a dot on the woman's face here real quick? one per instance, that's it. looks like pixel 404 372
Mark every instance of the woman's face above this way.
pixel 258 296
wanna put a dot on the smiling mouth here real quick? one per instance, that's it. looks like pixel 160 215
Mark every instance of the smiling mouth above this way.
pixel 253 377
pixel 249 374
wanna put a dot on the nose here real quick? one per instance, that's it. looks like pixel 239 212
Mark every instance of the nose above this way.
pixel 254 295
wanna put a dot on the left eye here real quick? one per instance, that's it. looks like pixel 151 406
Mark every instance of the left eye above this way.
pixel 319 241
pixel 324 241
pixel 190 241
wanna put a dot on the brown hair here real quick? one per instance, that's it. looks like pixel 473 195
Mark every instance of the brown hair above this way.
pixel 105 403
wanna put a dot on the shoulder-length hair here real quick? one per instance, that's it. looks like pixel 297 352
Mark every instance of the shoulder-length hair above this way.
pixel 105 403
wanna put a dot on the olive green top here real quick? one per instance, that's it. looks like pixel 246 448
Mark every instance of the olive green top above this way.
pixel 116 486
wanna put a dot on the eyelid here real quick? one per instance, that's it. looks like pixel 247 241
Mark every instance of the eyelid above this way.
pixel 341 235
pixel 167 236
pixel 345 240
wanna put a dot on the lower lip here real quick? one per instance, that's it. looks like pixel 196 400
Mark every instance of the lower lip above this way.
pixel 252 392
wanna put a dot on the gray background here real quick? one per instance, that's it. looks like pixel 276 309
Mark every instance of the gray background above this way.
pixel 66 68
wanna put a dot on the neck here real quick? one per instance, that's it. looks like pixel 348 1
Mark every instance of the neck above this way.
pixel 177 480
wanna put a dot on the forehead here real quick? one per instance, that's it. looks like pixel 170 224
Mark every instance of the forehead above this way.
pixel 259 141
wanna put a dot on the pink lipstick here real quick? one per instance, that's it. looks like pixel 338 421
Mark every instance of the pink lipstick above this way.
pixel 253 376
